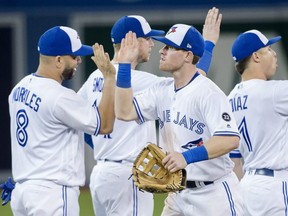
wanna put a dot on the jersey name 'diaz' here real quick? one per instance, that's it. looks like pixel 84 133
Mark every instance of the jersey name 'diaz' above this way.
pixel 239 103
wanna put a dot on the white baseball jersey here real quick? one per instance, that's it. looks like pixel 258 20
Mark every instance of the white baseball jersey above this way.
pixel 260 109
pixel 188 117
pixel 127 138
pixel 115 154
pixel 46 120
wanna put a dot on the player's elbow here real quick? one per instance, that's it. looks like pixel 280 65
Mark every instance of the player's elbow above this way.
pixel 234 141
pixel 106 130
pixel 124 115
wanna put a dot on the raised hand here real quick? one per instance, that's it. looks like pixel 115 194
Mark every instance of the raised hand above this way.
pixel 102 60
pixel 211 28
pixel 129 50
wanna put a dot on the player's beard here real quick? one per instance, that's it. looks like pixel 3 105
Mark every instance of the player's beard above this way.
pixel 68 73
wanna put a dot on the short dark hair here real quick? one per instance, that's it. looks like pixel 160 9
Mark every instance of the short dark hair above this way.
pixel 242 65
pixel 195 60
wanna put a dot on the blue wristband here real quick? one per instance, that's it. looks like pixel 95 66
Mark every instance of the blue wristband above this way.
pixel 124 76
pixel 205 61
pixel 196 154
pixel 209 46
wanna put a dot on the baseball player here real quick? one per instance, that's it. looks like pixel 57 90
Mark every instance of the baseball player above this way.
pixel 47 125
pixel 260 109
pixel 197 126
pixel 112 190
pixel 116 152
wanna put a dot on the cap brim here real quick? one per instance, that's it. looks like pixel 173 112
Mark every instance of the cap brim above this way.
pixel 154 32
pixel 274 40
pixel 84 51
pixel 166 41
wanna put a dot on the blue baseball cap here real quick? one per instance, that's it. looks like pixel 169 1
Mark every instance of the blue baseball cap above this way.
pixel 250 41
pixel 134 23
pixel 184 37
pixel 62 40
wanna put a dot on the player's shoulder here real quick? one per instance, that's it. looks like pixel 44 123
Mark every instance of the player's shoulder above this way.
pixel 164 81
pixel 210 86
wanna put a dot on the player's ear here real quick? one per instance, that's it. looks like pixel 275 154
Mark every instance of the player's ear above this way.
pixel 58 61
pixel 189 56
pixel 255 57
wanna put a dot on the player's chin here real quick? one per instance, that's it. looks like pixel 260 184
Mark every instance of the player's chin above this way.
pixel 162 66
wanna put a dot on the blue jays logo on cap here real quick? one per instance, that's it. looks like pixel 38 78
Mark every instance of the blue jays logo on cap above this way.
pixel 134 23
pixel 250 41
pixel 62 40
pixel 172 29
pixel 184 37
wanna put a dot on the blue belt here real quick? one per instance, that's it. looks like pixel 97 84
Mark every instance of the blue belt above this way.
pixel 265 172
pixel 193 184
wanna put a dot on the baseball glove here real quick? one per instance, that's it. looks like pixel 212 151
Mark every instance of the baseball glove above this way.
pixel 150 175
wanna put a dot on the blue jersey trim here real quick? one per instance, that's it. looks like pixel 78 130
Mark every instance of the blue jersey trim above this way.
pixel 138 111
pixel 235 155
pixel 88 140
pixel 226 133
pixel 135 199
pixel 230 198
pixel 64 197
pixel 284 190
pixel 195 75
pixel 98 122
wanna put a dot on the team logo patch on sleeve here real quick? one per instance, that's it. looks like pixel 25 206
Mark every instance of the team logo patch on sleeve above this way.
pixel 226 117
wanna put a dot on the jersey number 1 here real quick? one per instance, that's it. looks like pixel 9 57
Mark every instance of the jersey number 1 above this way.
pixel 245 134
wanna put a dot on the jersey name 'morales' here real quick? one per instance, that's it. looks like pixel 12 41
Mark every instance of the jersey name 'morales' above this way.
pixel 182 120
pixel 23 95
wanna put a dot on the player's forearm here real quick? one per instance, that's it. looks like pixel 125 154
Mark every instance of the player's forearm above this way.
pixel 220 145
pixel 124 108
pixel 106 106
pixel 213 148
pixel 238 168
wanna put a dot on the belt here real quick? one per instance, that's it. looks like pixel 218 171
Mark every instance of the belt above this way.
pixel 264 171
pixel 197 184
pixel 116 161
pixel 108 160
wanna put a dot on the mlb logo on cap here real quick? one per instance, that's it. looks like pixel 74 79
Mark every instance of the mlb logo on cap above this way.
pixel 184 37
pixel 249 42
pixel 134 23
pixel 62 40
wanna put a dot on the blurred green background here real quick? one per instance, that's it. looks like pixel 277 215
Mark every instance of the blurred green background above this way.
pixel 86 208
